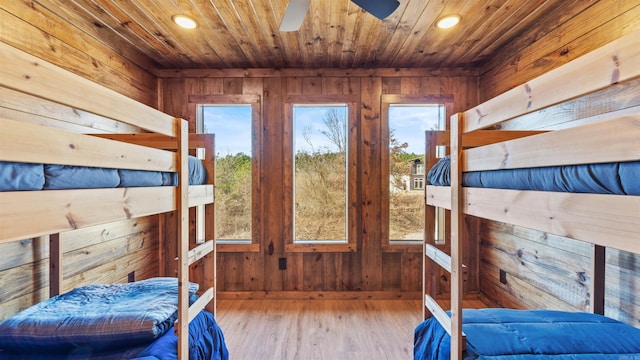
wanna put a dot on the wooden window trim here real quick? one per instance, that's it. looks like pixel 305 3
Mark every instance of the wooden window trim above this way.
pixel 352 173
pixel 386 101
pixel 255 101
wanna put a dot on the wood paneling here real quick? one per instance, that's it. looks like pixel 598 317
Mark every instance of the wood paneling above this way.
pixel 100 254
pixel 334 34
pixel 51 32
pixel 582 26
pixel 547 271
pixel 370 268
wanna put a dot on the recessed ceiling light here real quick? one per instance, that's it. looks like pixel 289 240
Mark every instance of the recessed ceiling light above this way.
pixel 185 21
pixel 448 21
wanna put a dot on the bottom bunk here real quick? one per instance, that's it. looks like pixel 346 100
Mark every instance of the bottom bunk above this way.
pixel 110 321
pixel 508 334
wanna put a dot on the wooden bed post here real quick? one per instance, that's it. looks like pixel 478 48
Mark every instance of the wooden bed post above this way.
pixel 209 218
pixel 55 265
pixel 596 285
pixel 457 227
pixel 429 267
pixel 182 211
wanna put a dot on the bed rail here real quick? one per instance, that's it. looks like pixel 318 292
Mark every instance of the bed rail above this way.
pixel 610 64
pixel 29 74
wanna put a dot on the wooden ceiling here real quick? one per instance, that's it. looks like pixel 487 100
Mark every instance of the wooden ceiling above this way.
pixel 334 33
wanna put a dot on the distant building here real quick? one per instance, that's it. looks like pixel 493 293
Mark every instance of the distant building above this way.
pixel 416 179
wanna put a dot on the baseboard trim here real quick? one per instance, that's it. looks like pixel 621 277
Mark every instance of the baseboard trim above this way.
pixel 318 295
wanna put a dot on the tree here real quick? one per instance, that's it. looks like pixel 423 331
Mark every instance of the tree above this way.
pixel 336 131
pixel 398 164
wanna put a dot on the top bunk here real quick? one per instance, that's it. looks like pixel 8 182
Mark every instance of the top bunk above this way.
pixel 158 149
pixel 605 149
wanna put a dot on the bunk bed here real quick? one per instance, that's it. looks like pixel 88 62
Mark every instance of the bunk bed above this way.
pixel 177 316
pixel 604 210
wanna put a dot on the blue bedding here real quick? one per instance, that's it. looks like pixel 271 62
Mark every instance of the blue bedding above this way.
pixel 98 316
pixel 507 334
pixel 607 178
pixel 24 176
pixel 206 341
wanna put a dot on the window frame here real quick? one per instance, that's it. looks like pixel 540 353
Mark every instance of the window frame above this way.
pixel 351 102
pixel 196 102
pixel 387 100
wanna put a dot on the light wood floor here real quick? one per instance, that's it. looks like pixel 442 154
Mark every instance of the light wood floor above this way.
pixel 319 329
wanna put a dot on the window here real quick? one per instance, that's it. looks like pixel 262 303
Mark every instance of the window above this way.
pixel 233 119
pixel 418 183
pixel 320 173
pixel 405 120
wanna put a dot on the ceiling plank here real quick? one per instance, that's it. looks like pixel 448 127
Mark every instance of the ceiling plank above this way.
pixel 236 34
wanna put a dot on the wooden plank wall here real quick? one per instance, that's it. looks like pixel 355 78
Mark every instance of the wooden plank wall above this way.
pixel 370 270
pixel 78 45
pixel 98 254
pixel 543 270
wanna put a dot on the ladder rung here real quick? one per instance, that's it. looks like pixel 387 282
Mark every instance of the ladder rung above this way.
pixel 200 251
pixel 200 304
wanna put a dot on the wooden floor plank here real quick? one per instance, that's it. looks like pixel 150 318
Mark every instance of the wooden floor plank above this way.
pixel 319 329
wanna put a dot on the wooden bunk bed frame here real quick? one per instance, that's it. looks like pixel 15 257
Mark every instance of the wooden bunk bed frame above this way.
pixel 602 220
pixel 58 211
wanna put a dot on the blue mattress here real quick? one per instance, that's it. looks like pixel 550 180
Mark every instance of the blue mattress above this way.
pixel 507 334
pixel 25 176
pixel 607 178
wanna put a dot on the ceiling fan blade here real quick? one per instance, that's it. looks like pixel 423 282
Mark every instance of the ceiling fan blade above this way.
pixel 293 16
pixel 378 8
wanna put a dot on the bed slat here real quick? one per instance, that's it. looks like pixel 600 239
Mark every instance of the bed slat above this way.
pixel 610 64
pixel 439 196
pixel 24 142
pixel 606 220
pixel 29 74
pixel 64 210
pixel 614 140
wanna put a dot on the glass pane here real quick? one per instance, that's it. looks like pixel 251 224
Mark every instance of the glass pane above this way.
pixel 232 125
pixel 407 124
pixel 320 176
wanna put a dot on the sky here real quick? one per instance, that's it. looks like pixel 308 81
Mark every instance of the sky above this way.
pixel 309 119
pixel 410 122
pixel 232 126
